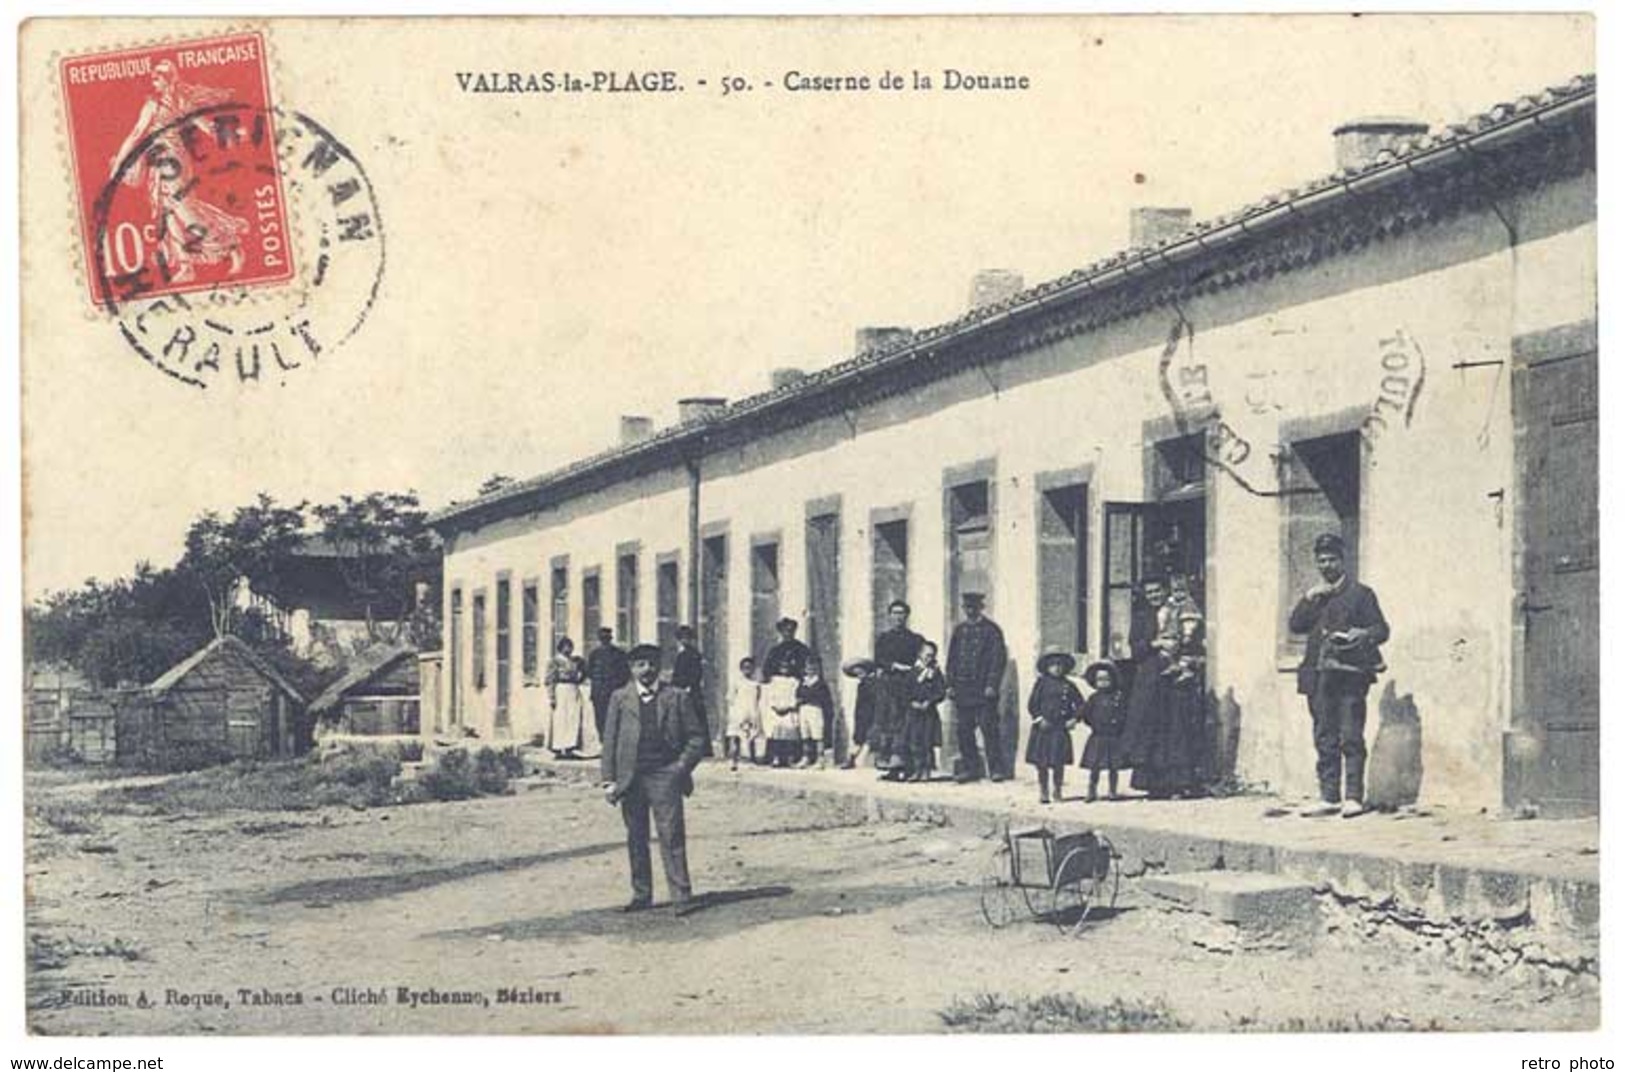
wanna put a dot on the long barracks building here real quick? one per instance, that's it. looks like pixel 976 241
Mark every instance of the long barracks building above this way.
pixel 1403 351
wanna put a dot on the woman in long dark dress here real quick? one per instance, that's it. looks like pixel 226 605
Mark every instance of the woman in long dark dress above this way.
pixel 896 652
pixel 1160 740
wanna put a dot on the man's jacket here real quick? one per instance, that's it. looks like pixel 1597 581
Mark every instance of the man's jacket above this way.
pixel 976 661
pixel 1353 606
pixel 675 715
pixel 607 669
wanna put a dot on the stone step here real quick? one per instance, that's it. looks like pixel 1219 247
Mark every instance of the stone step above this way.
pixel 1251 900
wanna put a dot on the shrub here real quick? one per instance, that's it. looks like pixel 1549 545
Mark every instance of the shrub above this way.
pixel 450 777
pixel 1056 1014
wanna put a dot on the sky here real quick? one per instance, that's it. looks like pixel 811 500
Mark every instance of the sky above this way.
pixel 555 262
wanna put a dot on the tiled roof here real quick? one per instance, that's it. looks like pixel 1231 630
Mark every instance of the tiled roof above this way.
pixel 919 343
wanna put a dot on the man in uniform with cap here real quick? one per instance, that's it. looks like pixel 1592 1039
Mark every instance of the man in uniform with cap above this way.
pixel 1341 658
pixel 653 740
pixel 607 672
pixel 976 663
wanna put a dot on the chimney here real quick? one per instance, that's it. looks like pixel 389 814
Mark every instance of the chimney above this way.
pixel 1149 226
pixel 1360 140
pixel 781 378
pixel 993 285
pixel 878 338
pixel 699 409
pixel 635 429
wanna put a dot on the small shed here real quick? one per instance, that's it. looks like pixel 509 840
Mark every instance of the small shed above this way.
pixel 224 700
pixel 379 696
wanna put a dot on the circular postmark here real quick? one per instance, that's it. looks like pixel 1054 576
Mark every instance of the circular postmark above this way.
pixel 237 244
pixel 1249 436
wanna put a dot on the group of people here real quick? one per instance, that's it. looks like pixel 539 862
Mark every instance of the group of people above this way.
pixel 1146 713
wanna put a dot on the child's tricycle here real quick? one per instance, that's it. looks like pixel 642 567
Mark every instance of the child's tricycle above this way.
pixel 1061 876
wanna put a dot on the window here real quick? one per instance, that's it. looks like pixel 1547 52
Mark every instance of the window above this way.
pixel 1320 484
pixel 1179 467
pixel 477 654
pixel 970 542
pixel 592 607
pixel 1063 589
pixel 764 598
pixel 626 596
pixel 1124 560
pixel 890 580
pixel 667 584
pixel 561 602
pixel 504 649
pixel 455 661
pixel 531 603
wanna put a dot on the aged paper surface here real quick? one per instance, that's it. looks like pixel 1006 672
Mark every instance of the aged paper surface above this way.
pixel 365 360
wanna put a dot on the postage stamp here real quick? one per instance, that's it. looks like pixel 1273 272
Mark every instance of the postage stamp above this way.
pixel 174 193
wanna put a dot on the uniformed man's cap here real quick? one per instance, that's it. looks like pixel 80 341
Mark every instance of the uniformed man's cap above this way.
pixel 649 653
pixel 1329 543
pixel 972 597
pixel 787 623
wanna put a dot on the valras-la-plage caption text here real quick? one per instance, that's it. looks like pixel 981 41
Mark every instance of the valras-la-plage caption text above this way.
pixel 792 80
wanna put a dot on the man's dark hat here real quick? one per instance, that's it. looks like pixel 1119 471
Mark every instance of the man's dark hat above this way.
pixel 972 597
pixel 1092 673
pixel 1328 543
pixel 782 622
pixel 642 652
pixel 1067 661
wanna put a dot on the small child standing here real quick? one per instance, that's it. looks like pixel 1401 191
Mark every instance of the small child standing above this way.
pixel 922 732
pixel 863 709
pixel 744 717
pixel 1105 713
pixel 1055 705
pixel 816 708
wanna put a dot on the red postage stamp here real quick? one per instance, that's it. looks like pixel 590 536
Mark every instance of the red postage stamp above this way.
pixel 175 169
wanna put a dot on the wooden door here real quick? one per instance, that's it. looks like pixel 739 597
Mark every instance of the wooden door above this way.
pixel 1559 601
pixel 713 617
pixel 824 603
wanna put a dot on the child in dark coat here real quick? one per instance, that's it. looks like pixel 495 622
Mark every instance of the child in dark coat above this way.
pixel 1055 705
pixel 922 732
pixel 1105 713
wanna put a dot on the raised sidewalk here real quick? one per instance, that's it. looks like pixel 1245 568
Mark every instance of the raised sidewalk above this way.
pixel 1539 876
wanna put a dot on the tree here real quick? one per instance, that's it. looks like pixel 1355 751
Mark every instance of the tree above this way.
pixel 254 546
pixel 384 548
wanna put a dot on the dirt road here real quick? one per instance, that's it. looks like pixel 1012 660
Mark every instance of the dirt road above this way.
pixel 501 916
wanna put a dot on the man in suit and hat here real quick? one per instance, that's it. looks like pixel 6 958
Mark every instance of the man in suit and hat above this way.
pixel 1341 658
pixel 653 740
pixel 976 663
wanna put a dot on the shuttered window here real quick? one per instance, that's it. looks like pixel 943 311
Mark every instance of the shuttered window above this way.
pixel 477 655
pixel 504 658
pixel 1063 601
pixel 531 604
pixel 592 607
pixel 1320 494
pixel 764 598
pixel 667 585
pixel 890 568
